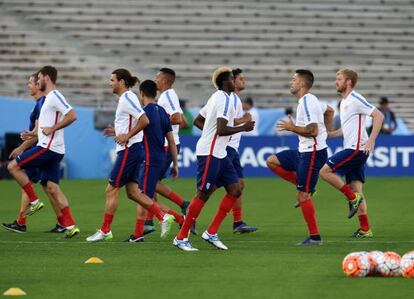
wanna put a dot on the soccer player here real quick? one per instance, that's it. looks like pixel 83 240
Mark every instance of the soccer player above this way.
pixel 301 167
pixel 350 162
pixel 130 120
pixel 214 168
pixel 55 115
pixel 151 170
pixel 30 139
pixel 232 150
pixel 168 100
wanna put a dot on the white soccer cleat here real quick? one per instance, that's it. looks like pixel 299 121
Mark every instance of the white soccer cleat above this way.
pixel 166 225
pixel 214 240
pixel 184 245
pixel 100 236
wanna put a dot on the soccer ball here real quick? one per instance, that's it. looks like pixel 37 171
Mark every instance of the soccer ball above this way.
pixel 407 265
pixel 356 264
pixel 375 258
pixel 389 266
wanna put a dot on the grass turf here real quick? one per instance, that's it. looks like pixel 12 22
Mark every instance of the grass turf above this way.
pixel 265 264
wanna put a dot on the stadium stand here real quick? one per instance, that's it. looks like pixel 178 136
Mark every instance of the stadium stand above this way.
pixel 268 39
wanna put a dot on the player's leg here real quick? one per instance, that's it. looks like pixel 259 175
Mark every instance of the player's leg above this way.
pixel 364 230
pixel 167 192
pixel 54 201
pixel 138 235
pixel 282 164
pixel 19 225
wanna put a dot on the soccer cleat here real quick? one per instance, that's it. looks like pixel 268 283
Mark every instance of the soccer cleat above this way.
pixel 31 209
pixel 213 240
pixel 149 229
pixel 184 245
pixel 354 204
pixel 71 232
pixel 100 236
pixel 184 208
pixel 309 242
pixel 133 239
pixel 166 225
pixel 15 227
pixel 57 229
pixel 242 228
pixel 361 234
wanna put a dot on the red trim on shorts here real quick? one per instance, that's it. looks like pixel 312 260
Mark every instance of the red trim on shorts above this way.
pixel 355 152
pixel 147 164
pixel 213 143
pixel 311 166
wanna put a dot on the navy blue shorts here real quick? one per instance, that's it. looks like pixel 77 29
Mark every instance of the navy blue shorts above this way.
pixel 349 163
pixel 127 165
pixel 149 176
pixel 235 160
pixel 214 172
pixel 306 165
pixel 41 164
pixel 165 172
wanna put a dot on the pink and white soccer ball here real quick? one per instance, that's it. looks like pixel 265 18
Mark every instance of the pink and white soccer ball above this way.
pixel 407 265
pixel 390 265
pixel 375 258
pixel 356 264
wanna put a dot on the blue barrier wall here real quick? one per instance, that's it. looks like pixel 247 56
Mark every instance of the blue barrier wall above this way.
pixel 90 154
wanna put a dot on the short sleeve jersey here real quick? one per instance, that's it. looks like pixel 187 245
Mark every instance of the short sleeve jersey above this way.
pixel 54 108
pixel 238 108
pixel 171 104
pixel 309 111
pixel 34 115
pixel 353 111
pixel 218 106
pixel 128 112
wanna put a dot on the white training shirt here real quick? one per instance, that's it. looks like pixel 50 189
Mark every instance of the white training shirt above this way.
pixel 309 111
pixel 237 104
pixel 353 112
pixel 218 106
pixel 171 104
pixel 53 110
pixel 126 117
pixel 256 119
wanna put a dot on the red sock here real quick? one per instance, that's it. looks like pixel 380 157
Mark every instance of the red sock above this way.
pixel 28 188
pixel 225 206
pixel 289 176
pixel 237 214
pixel 150 216
pixel 308 210
pixel 178 217
pixel 67 216
pixel 155 209
pixel 139 228
pixel 363 222
pixel 194 210
pixel 348 192
pixel 174 197
pixel 20 219
pixel 106 226
pixel 60 220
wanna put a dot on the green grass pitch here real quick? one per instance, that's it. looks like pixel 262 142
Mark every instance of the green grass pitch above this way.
pixel 265 264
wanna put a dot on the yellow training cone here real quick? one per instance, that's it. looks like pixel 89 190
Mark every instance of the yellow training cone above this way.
pixel 94 260
pixel 14 292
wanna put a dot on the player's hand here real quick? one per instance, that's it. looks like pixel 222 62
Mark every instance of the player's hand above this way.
pixel 26 135
pixel 121 139
pixel 109 131
pixel 369 147
pixel 47 130
pixel 16 152
pixel 174 171
pixel 286 125
pixel 248 126
pixel 247 117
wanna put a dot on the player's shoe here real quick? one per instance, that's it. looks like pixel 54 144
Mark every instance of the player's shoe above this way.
pixel 58 229
pixel 166 224
pixel 310 242
pixel 242 228
pixel 184 245
pixel 71 232
pixel 354 204
pixel 297 204
pixel 31 209
pixel 361 234
pixel 184 207
pixel 15 227
pixel 133 239
pixel 213 240
pixel 148 229
pixel 100 236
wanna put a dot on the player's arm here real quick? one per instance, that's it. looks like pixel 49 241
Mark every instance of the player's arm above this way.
pixel 336 133
pixel 241 120
pixel 184 122
pixel 199 121
pixel 328 118
pixel 377 119
pixel 224 130
pixel 142 122
pixel 69 118
pixel 311 130
pixel 176 118
pixel 173 149
pixel 29 137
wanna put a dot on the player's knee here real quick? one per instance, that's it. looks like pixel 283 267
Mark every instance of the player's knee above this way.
pixel 241 182
pixel 235 191
pixel 51 188
pixel 302 196
pixel 12 166
pixel 272 162
pixel 324 172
